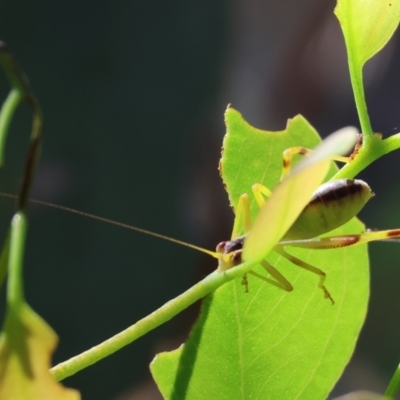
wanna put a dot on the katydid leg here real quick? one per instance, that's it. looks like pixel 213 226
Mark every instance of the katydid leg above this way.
pixel 335 242
pixel 279 280
pixel 302 264
pixel 292 151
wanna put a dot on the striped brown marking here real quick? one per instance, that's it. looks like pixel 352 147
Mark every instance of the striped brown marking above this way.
pixel 332 242
pixel 289 153
pixel 349 188
pixel 286 163
pixel 341 242
pixel 394 233
pixel 303 151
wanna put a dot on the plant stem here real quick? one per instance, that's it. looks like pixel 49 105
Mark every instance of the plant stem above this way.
pixel 6 115
pixel 394 384
pixel 150 322
pixel 20 92
pixel 359 96
pixel 373 148
pixel 15 292
pixel 355 70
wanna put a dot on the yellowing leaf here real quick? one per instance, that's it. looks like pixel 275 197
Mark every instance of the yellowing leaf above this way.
pixel 26 346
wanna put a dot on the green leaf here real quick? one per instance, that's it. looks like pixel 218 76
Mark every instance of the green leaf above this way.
pixel 367 25
pixel 269 343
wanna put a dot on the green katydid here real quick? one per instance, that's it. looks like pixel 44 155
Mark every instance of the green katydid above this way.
pixel 305 178
pixel 331 205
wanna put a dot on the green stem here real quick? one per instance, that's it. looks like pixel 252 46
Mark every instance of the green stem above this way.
pixel 394 384
pixel 359 97
pixel 355 70
pixel 20 92
pixel 391 143
pixel 373 148
pixel 15 293
pixel 5 252
pixel 6 115
pixel 33 155
pixel 150 322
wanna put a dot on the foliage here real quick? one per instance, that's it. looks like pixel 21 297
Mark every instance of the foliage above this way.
pixel 265 343
pixel 263 336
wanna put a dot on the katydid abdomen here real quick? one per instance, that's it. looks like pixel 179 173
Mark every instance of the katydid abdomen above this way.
pixel 333 204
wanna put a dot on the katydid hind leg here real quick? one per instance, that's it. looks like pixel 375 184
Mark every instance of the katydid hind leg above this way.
pixel 336 242
pixel 279 280
pixel 302 264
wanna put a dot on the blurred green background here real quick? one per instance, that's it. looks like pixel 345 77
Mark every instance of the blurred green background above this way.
pixel 133 95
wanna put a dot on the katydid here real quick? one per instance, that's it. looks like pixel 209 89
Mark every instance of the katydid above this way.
pixel 314 213
pixel 333 204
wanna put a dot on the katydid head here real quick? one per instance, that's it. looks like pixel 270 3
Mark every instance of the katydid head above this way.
pixel 229 253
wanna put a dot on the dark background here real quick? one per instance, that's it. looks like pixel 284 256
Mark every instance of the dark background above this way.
pixel 133 95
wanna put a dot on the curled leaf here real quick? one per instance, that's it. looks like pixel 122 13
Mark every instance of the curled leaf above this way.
pixel 26 346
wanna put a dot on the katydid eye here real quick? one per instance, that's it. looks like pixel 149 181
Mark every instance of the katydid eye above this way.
pixel 221 247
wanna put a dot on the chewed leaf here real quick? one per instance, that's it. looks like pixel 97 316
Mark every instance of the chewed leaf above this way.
pixel 267 343
pixel 367 26
pixel 292 195
pixel 258 155
pixel 26 346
